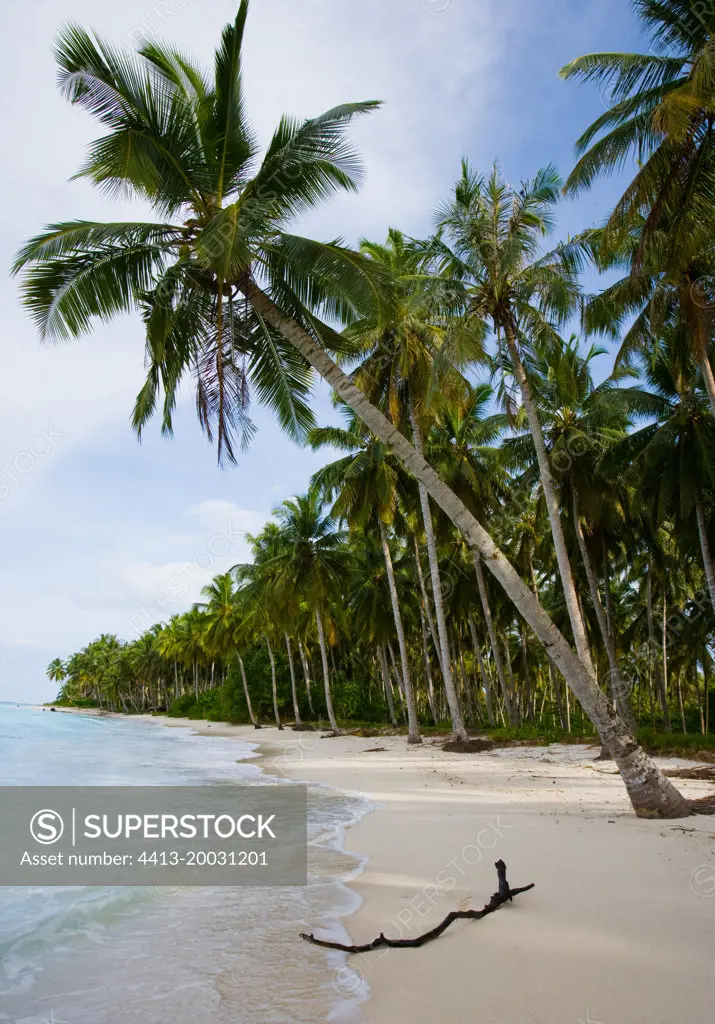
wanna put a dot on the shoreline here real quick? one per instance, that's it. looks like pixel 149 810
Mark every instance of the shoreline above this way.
pixel 621 904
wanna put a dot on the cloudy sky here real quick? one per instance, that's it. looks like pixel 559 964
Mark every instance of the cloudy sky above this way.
pixel 103 534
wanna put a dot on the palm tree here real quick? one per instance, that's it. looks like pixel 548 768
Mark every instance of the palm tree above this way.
pixel 364 486
pixel 582 423
pixel 181 142
pixel 261 592
pixel 496 233
pixel 402 339
pixel 461 449
pixel 57 671
pixel 313 555
pixel 673 459
pixel 224 621
pixel 663 112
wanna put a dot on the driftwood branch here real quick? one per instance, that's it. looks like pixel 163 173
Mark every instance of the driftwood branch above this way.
pixel 504 895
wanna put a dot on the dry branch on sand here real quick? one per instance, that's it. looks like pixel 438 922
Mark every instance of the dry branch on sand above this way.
pixel 504 895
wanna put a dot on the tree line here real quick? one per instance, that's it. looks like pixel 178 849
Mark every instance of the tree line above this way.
pixel 501 533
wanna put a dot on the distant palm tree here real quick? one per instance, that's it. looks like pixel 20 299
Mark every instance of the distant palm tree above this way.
pixel 364 488
pixel 56 671
pixel 313 556
pixel 402 339
pixel 224 620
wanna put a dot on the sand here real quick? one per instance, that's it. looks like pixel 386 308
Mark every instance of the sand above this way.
pixel 620 926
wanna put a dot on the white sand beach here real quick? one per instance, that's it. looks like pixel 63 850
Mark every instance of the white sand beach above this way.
pixel 619 928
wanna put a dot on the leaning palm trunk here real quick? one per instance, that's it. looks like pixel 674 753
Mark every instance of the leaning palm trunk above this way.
pixel 413 725
pixel 455 711
pixel 326 673
pixel 552 505
pixel 294 690
pixel 650 792
pixel 274 684
pixel 254 720
pixel 617 685
pixel 498 663
pixel 705 547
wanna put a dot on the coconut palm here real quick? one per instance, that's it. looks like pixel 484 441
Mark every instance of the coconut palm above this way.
pixel 663 113
pixel 582 423
pixel 57 671
pixel 495 233
pixel 673 459
pixel 313 555
pixel 224 620
pixel 180 141
pixel 364 488
pixel 402 340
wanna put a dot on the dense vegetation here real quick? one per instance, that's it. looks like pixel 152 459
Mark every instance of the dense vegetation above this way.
pixel 474 434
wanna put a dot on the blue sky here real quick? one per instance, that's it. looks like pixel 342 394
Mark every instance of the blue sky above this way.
pixel 102 534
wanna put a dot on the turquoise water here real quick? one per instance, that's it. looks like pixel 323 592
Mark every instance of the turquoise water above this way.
pixel 202 956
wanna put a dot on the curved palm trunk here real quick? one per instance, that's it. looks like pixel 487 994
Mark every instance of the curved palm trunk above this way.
pixel 294 691
pixel 384 668
pixel 499 664
pixel 455 711
pixel 617 687
pixel 326 673
pixel 650 792
pixel 413 725
pixel 705 548
pixel 552 505
pixel 306 673
pixel 254 720
pixel 274 684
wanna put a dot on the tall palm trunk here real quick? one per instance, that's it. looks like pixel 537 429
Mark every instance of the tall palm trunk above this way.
pixel 552 504
pixel 498 663
pixel 709 381
pixel 254 720
pixel 617 686
pixel 705 547
pixel 385 669
pixel 455 711
pixel 306 673
pixel 659 680
pixel 398 678
pixel 650 792
pixel 426 603
pixel 274 684
pixel 428 669
pixel 482 672
pixel 413 725
pixel 294 690
pixel 326 673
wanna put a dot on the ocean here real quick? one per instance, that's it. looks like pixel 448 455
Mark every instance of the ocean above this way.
pixel 199 956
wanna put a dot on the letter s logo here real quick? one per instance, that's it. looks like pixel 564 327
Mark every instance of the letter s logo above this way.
pixel 46 827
